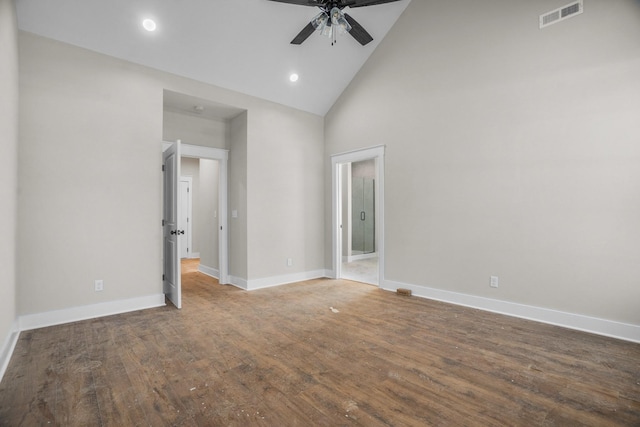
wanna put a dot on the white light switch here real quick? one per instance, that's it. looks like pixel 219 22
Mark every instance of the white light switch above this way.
pixel 234 214
pixel 494 281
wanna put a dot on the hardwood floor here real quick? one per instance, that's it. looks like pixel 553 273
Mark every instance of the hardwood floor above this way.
pixel 281 357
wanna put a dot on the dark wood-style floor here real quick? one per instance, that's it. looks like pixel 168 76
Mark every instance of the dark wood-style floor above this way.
pixel 281 357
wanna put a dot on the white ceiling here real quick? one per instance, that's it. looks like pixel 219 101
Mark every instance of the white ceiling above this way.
pixel 242 45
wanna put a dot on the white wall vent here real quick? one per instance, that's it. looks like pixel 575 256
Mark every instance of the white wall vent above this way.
pixel 561 14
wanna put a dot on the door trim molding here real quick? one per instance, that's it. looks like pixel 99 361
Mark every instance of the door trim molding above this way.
pixel 377 153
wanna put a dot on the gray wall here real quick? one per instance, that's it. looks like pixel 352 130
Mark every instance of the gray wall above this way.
pixel 208 215
pixel 194 130
pixel 285 182
pixel 8 166
pixel 364 169
pixel 91 128
pixel 238 254
pixel 511 151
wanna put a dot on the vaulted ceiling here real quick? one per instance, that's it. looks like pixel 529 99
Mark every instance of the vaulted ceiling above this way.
pixel 242 45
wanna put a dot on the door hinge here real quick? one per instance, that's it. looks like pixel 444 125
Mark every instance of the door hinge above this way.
pixel 163 222
pixel 188 189
pixel 162 168
pixel 163 278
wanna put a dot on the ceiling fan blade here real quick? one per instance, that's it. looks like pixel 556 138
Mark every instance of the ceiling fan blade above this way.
pixel 361 3
pixel 358 32
pixel 304 34
pixel 301 2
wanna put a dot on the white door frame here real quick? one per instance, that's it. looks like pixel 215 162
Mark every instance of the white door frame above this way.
pixel 222 156
pixel 376 153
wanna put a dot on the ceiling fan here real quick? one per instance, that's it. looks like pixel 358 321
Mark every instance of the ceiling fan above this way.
pixel 332 20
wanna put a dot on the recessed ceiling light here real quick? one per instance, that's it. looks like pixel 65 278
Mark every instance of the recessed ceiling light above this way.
pixel 294 77
pixel 149 24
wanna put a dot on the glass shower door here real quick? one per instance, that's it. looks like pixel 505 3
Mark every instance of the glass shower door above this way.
pixel 363 216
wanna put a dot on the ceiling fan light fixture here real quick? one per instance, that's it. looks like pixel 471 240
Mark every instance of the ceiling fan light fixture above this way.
pixel 339 22
pixel 331 15
pixel 327 30
pixel 320 21
pixel 335 16
pixel 342 25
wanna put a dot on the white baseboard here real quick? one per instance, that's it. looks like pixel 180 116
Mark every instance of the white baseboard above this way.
pixel 238 282
pixel 209 271
pixel 74 314
pixel 6 351
pixel 609 328
pixel 194 255
pixel 269 282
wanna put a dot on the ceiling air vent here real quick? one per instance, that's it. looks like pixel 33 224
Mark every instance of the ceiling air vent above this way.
pixel 561 14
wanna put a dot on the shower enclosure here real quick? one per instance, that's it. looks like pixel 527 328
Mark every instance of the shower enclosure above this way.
pixel 363 237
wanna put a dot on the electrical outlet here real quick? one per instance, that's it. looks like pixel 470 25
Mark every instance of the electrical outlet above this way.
pixel 289 262
pixel 494 282
pixel 99 285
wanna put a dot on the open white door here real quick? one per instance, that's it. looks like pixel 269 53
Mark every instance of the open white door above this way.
pixel 171 168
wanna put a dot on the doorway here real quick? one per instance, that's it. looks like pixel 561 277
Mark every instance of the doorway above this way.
pixel 358 215
pixel 172 258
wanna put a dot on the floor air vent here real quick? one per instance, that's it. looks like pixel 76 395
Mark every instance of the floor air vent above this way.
pixel 561 14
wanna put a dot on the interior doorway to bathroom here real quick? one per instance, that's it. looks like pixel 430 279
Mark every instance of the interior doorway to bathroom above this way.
pixel 358 215
pixel 359 256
